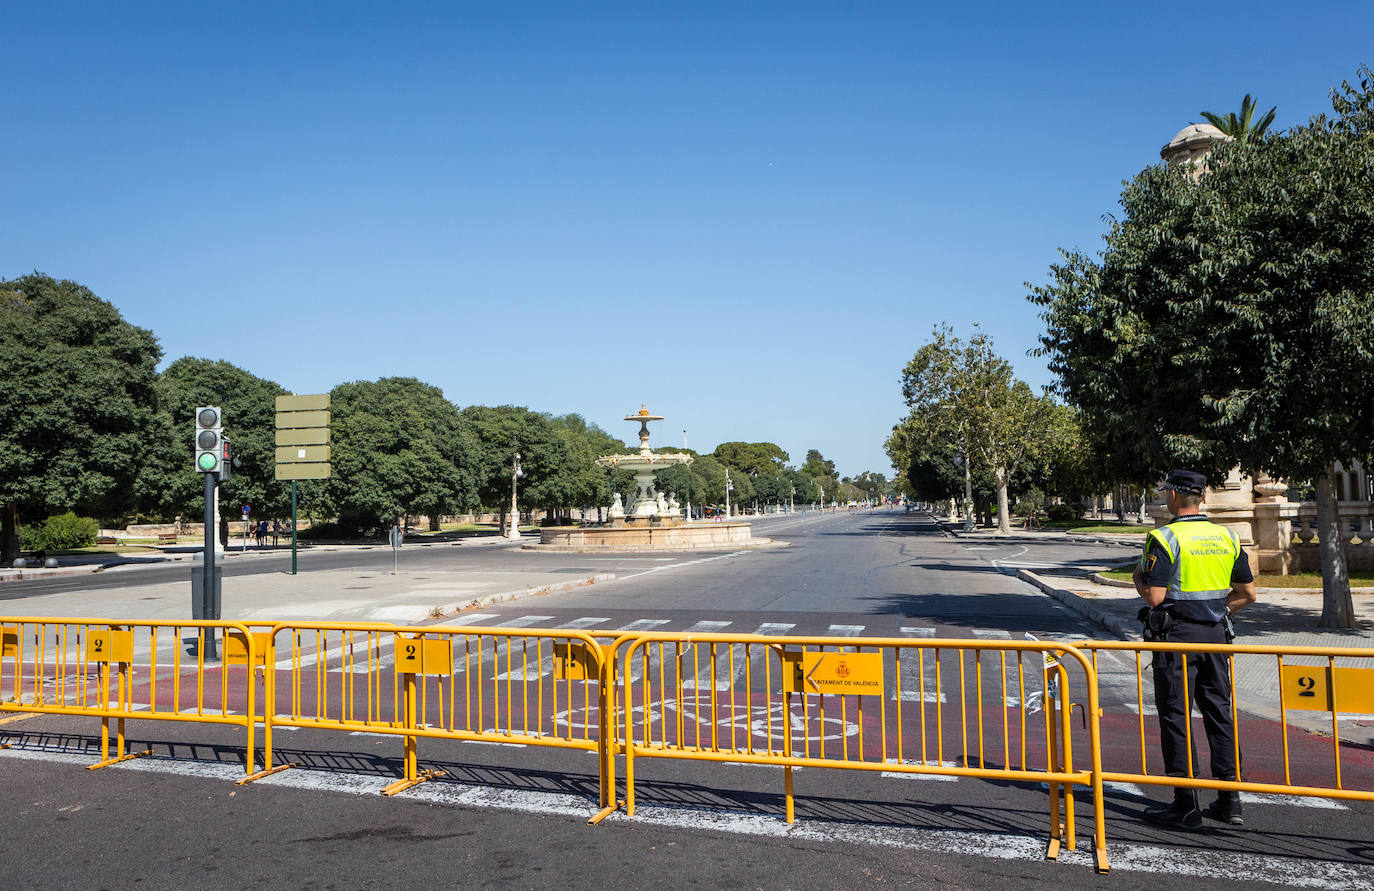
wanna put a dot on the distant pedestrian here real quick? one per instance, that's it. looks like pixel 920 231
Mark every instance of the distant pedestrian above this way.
pixel 1193 574
pixel 276 532
pixel 262 533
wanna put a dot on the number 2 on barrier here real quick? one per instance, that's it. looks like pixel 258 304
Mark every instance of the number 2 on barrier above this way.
pixel 1310 688
pixel 110 646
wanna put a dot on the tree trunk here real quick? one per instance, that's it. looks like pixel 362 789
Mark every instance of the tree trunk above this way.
pixel 9 533
pixel 501 523
pixel 433 522
pixel 1003 515
pixel 1338 611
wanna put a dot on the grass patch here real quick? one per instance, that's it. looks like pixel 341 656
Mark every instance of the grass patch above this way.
pixel 1098 526
pixel 1359 578
pixel 102 549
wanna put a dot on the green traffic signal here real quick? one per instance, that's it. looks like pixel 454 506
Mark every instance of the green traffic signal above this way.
pixel 207 462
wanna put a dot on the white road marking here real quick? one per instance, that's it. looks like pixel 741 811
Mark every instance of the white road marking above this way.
pixel 585 622
pixel 992 633
pixel 476 618
pixel 845 630
pixel 522 622
pixel 705 627
pixel 635 575
pixel 903 775
pixel 1293 801
pixel 725 678
pixel 918 632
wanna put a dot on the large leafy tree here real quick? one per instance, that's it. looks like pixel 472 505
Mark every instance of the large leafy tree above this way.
pixel 78 403
pixel 398 449
pixel 753 458
pixel 497 433
pixel 1230 320
pixel 583 483
pixel 1243 127
pixel 169 485
pixel 963 393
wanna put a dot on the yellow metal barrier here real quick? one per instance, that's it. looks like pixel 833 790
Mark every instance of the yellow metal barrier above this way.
pixel 809 702
pixel 1328 680
pixel 66 666
pixel 532 686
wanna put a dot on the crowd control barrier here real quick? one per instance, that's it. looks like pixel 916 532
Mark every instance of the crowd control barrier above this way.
pixel 118 670
pixel 963 708
pixel 993 709
pixel 531 686
pixel 1328 681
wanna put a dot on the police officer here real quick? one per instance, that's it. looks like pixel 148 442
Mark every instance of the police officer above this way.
pixel 1193 574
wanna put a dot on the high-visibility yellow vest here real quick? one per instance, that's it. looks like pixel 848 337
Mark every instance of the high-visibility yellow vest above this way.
pixel 1204 555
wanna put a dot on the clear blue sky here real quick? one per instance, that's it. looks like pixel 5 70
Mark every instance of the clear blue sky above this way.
pixel 747 215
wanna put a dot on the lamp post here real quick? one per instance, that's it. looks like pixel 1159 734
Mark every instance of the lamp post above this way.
pixel 791 499
pixel 515 473
pixel 729 487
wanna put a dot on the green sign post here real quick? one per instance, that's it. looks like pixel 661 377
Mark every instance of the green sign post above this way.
pixel 302 446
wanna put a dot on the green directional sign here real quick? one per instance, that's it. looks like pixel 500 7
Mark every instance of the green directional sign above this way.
pixel 303 437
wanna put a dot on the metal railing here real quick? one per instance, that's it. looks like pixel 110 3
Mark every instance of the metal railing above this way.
pixel 120 670
pixel 530 686
pixel 809 702
pixel 1331 680
pixel 986 708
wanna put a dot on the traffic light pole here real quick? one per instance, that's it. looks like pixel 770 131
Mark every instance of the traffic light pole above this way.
pixel 207 588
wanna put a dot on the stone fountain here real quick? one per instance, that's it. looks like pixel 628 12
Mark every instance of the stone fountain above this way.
pixel 652 522
pixel 649 505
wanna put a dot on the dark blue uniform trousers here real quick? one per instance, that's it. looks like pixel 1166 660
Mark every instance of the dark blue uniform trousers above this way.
pixel 1209 691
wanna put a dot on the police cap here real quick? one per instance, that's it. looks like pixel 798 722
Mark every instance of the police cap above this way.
pixel 1189 482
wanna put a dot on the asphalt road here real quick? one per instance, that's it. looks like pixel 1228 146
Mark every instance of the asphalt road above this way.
pixel 514 817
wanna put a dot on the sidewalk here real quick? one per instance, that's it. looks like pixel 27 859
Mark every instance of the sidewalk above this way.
pixel 1126 539
pixel 80 564
pixel 1280 617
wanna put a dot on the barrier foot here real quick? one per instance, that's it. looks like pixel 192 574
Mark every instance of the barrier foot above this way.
pixel 1102 866
pixel 1052 852
pixel 264 773
pixel 129 757
pixel 402 785
pixel 603 814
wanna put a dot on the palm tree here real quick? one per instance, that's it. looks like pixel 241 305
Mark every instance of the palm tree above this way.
pixel 1243 128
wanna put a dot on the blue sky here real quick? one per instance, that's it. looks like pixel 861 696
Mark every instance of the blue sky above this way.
pixel 747 215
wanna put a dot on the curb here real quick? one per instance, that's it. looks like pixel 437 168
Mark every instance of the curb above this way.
pixel 1085 608
pixel 504 596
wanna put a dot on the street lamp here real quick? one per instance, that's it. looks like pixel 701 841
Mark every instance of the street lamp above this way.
pixel 729 487
pixel 515 473
pixel 791 499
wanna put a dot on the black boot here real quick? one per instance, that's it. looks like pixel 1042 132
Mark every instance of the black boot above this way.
pixel 1182 814
pixel 1226 809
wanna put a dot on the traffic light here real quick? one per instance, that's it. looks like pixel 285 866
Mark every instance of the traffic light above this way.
pixel 226 464
pixel 209 439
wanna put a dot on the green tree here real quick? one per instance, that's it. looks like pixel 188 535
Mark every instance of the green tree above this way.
pixel 753 458
pixel 169 485
pixel 398 449
pixel 583 483
pixel 1242 128
pixel 1232 317
pixel 816 465
pixel 965 394
pixel 497 433
pixel 78 403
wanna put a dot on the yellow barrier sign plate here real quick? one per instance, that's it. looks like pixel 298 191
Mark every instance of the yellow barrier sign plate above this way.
pixel 572 661
pixel 422 655
pixel 9 641
pixel 236 647
pixel 110 646
pixel 1321 688
pixel 845 674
